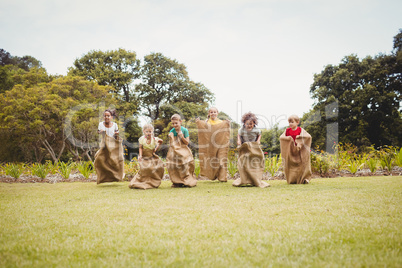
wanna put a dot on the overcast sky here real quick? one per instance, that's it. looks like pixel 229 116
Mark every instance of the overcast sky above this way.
pixel 257 56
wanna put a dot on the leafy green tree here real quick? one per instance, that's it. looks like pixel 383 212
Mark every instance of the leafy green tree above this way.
pixel 367 94
pixel 13 69
pixel 270 140
pixel 36 115
pixel 166 85
pixel 115 68
pixel 5 58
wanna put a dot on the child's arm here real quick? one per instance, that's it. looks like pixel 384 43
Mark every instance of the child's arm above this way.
pixel 159 142
pixel 238 140
pixel 140 153
pixel 258 139
pixel 100 131
pixel 186 141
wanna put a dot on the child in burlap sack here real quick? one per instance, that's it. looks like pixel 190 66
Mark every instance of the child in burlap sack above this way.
pixel 213 146
pixel 179 159
pixel 251 158
pixel 151 170
pixel 295 151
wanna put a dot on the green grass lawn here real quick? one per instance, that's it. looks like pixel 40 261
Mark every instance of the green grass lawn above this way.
pixel 340 222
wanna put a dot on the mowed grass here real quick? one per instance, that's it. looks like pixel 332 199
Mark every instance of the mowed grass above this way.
pixel 340 222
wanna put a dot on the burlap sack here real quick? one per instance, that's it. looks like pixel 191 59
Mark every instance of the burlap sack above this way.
pixel 251 166
pixel 151 171
pixel 213 148
pixel 109 160
pixel 296 162
pixel 180 163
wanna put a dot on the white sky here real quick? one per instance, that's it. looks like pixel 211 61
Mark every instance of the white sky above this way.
pixel 255 55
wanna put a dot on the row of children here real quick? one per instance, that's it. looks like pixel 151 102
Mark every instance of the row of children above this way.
pixel 214 139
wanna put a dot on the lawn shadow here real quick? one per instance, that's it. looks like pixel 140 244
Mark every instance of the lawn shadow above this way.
pixel 109 185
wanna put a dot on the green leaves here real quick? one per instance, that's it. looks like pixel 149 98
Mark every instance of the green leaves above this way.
pixel 115 68
pixel 367 92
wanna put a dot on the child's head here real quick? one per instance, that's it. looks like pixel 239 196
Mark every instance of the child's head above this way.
pixel 294 121
pixel 249 120
pixel 213 113
pixel 108 115
pixel 148 130
pixel 176 121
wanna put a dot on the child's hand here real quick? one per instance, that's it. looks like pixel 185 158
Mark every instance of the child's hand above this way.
pixel 140 158
pixel 180 134
pixel 197 119
pixel 238 143
pixel 160 141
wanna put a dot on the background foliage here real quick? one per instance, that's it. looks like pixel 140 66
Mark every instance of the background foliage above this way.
pixel 359 100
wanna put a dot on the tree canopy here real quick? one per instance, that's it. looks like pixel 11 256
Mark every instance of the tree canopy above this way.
pixel 362 97
pixel 166 87
pixel 115 68
pixel 35 116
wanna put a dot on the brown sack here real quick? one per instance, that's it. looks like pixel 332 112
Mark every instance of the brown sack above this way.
pixel 296 162
pixel 151 171
pixel 180 163
pixel 109 160
pixel 213 148
pixel 250 165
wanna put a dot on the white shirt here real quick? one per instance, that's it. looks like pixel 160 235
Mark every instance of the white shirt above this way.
pixel 109 130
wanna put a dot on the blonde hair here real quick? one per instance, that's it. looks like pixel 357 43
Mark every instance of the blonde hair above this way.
pixel 176 117
pixel 294 117
pixel 147 126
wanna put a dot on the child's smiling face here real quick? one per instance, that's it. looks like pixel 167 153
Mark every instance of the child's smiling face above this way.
pixel 148 133
pixel 249 124
pixel 213 113
pixel 176 124
pixel 293 124
pixel 107 117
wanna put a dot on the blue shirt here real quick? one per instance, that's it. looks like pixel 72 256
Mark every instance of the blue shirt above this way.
pixel 183 129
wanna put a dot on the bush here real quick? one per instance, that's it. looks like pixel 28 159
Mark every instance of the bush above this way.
pixel 65 169
pixel 13 170
pixel 85 168
pixel 39 170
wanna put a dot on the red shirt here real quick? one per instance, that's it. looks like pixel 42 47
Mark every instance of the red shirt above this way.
pixel 293 133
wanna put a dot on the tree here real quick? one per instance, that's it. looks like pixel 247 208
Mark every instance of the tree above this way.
pixel 115 68
pixel 36 115
pixel 361 96
pixel 13 69
pixel 165 82
pixel 270 140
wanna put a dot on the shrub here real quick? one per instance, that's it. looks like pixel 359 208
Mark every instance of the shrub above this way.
pixel 354 166
pixel 272 164
pixel 13 170
pixel 197 169
pixel 52 168
pixel 319 163
pixel 85 168
pixel 131 167
pixel 372 164
pixel 39 170
pixel 65 169
pixel 398 157
pixel 232 163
